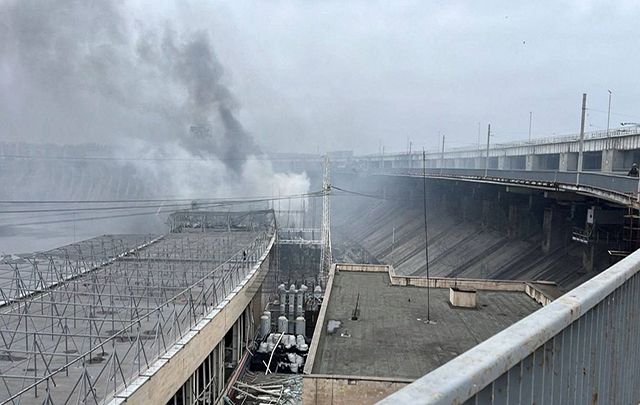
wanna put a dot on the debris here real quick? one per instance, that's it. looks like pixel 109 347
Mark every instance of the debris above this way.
pixel 273 351
pixel 274 389
pixel 332 326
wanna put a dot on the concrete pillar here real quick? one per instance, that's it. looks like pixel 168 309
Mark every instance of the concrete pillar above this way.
pixel 512 230
pixel 547 230
pixel 612 160
pixel 220 369
pixel 553 230
pixel 501 162
pixel 568 162
pixel 486 212
pixel 587 258
pixel 529 162
pixel 479 163
pixel 235 342
pixel 467 208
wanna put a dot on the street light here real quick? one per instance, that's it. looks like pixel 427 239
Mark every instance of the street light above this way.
pixel 609 112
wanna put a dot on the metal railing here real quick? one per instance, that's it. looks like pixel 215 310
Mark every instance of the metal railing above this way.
pixel 602 134
pixel 581 349
pixel 87 338
pixel 602 181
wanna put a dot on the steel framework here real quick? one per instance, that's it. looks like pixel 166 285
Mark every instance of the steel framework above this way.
pixel 80 323
pixel 325 252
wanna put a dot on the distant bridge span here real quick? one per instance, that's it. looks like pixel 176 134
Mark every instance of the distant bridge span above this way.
pixel 617 189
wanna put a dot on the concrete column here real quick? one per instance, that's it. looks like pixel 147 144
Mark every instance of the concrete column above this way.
pixel 547 230
pixel 235 342
pixel 467 204
pixel 486 212
pixel 612 160
pixel 512 230
pixel 479 163
pixel 501 162
pixel 553 230
pixel 220 368
pixel 529 162
pixel 568 162
pixel 587 258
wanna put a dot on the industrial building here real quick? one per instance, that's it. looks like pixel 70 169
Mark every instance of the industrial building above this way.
pixel 175 317
pixel 378 332
pixel 105 320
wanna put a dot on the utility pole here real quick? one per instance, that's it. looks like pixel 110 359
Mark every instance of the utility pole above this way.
pixel 608 121
pixel 393 243
pixel 442 155
pixel 382 162
pixel 486 163
pixel 479 136
pixel 426 233
pixel 581 144
pixel 410 157
pixel 530 114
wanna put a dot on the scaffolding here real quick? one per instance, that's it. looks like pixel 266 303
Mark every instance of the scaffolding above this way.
pixel 80 323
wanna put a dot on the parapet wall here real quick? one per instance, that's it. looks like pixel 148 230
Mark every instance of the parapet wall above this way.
pixel 348 390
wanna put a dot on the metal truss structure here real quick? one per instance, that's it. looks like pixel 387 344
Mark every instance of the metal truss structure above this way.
pixel 78 324
pixel 299 236
pixel 325 254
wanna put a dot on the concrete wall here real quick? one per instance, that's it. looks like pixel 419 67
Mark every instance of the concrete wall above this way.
pixel 317 333
pixel 538 294
pixel 543 292
pixel 345 390
pixel 380 268
pixel 462 298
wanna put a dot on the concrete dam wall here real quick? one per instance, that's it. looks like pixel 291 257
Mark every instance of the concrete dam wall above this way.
pixel 473 233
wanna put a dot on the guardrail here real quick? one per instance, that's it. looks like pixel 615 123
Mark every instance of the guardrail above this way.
pixel 580 349
pixel 602 134
pixel 602 181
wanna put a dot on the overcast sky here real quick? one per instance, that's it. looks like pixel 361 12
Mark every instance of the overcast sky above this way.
pixel 339 75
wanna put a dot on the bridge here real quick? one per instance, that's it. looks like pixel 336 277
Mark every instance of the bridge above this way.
pixel 580 348
pixel 612 151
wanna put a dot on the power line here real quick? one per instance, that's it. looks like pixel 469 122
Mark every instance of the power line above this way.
pixel 160 209
pixel 612 113
pixel 231 200
pixel 143 159
pixel 379 197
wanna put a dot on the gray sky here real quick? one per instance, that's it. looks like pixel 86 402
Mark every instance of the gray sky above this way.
pixel 343 75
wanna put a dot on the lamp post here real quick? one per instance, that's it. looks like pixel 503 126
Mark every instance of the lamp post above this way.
pixel 608 120
pixel 609 113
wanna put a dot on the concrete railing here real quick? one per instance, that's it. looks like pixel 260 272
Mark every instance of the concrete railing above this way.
pixel 582 348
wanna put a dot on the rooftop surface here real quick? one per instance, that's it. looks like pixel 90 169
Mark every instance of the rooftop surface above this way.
pixel 83 320
pixel 391 337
